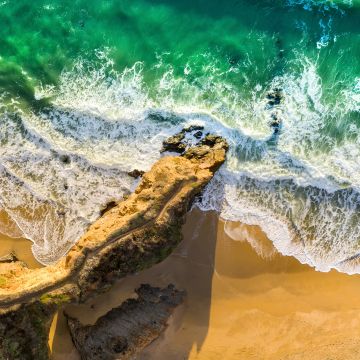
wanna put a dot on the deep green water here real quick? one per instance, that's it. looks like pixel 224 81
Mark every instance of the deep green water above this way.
pixel 102 83
pixel 40 39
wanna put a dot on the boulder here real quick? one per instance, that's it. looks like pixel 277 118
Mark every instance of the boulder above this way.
pixel 174 143
pixel 177 143
pixel 275 96
pixel 9 258
pixel 126 330
pixel 136 173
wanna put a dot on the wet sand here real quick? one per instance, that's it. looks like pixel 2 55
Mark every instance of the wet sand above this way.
pixel 17 245
pixel 21 247
pixel 244 301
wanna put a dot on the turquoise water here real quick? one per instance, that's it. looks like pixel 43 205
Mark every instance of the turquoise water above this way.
pixel 89 89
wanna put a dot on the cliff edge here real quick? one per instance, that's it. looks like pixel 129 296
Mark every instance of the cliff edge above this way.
pixel 134 234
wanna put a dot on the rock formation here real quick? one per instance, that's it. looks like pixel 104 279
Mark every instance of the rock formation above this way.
pixel 131 236
pixel 177 143
pixel 126 330
pixel 275 97
pixel 136 173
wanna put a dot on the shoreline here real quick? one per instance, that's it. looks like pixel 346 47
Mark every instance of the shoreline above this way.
pixel 244 298
pixel 21 248
pixel 241 303
pixel 135 234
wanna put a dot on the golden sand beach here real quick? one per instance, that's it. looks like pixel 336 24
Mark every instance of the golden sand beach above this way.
pixel 244 301
pixel 21 247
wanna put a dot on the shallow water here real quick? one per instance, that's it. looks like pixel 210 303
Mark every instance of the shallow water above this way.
pixel 21 248
pixel 18 246
pixel 90 89
pixel 244 301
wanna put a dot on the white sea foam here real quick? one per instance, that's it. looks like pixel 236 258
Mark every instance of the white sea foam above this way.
pixel 325 9
pixel 321 5
pixel 58 168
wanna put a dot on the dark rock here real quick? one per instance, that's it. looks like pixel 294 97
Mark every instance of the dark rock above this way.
pixel 234 60
pixel 164 117
pixel 174 143
pixel 108 207
pixel 157 117
pixel 9 258
pixel 136 173
pixel 192 128
pixel 126 330
pixel 275 96
pixel 24 332
pixel 275 120
pixel 65 159
pixel 211 140
pixel 118 344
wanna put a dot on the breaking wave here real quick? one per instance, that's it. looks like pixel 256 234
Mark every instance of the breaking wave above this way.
pixel 61 165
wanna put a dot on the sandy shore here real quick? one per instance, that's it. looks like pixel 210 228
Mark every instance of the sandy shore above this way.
pixel 21 248
pixel 245 301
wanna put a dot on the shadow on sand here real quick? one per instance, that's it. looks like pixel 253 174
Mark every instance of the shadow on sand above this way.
pixel 207 253
pixel 190 267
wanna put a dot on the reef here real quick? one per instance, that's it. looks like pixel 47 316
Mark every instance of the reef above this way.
pixel 130 236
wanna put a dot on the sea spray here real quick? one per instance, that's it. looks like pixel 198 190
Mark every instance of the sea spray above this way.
pixel 74 157
pixel 68 144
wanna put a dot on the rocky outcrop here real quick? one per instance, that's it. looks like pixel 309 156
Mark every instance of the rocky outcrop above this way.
pixel 126 330
pixel 130 236
pixel 9 258
pixel 177 143
pixel 275 97
pixel 24 331
pixel 136 173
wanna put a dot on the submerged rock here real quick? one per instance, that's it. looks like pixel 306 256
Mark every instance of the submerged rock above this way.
pixel 192 128
pixel 275 122
pixel 275 96
pixel 164 117
pixel 274 100
pixel 174 143
pixel 65 159
pixel 126 330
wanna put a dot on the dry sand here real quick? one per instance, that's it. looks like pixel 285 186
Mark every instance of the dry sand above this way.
pixel 245 301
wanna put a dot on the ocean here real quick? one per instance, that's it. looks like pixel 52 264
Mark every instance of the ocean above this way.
pixel 90 89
